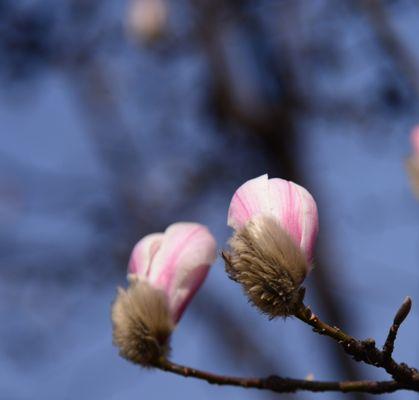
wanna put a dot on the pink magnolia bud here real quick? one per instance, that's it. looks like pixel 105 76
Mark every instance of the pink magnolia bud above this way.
pixel 165 271
pixel 176 262
pixel 289 204
pixel 276 225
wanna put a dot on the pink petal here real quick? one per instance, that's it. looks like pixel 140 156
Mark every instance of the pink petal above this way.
pixel 182 263
pixel 309 221
pixel 290 204
pixel 286 207
pixel 296 211
pixel 249 200
pixel 414 137
pixel 186 285
pixel 143 253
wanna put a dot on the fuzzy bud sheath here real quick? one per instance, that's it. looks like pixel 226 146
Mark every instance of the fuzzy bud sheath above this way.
pixel 142 324
pixel 268 265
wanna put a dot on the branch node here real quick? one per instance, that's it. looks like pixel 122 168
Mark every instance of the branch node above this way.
pixel 369 343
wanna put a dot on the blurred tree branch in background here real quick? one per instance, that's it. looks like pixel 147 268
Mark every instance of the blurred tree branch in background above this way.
pixel 391 43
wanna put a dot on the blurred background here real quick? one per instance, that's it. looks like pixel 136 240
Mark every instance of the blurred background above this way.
pixel 118 118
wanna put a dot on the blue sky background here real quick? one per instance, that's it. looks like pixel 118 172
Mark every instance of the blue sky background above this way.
pixel 63 247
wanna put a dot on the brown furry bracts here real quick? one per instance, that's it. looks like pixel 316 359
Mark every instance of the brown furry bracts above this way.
pixel 141 323
pixel 269 266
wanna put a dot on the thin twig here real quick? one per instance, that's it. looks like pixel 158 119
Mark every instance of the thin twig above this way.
pixel 364 350
pixel 401 315
pixel 286 385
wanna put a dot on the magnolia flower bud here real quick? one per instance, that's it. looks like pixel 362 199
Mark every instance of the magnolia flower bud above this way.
pixel 165 271
pixel 276 225
pixel 413 161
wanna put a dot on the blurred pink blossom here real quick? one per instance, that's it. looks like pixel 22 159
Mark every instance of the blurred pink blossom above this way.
pixel 176 261
pixel 147 19
pixel 414 137
pixel 412 162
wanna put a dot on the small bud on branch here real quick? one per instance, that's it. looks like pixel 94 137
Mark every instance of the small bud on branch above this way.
pixel 401 315
pixel 403 311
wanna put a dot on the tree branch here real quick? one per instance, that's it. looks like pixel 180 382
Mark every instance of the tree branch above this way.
pixel 366 350
pixel 286 385
pixel 405 377
pixel 390 41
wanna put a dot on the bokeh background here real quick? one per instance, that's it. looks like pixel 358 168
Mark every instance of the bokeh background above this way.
pixel 120 117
